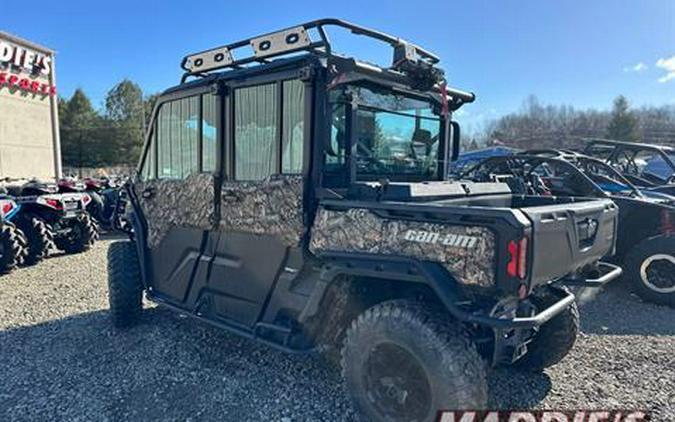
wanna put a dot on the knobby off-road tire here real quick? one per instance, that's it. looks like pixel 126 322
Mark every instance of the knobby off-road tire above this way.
pixel 23 247
pixel 82 237
pixel 10 247
pixel 40 239
pixel 555 338
pixel 402 361
pixel 650 267
pixel 125 290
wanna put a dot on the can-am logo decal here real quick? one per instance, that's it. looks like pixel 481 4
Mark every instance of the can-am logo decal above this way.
pixel 434 238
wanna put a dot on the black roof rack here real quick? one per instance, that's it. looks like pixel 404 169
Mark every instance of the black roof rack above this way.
pixel 292 40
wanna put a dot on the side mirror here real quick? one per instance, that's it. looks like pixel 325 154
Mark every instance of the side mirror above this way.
pixel 456 132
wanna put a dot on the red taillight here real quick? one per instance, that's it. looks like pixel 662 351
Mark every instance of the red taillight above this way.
pixel 54 203
pixel 86 199
pixel 517 265
pixel 511 267
pixel 7 207
pixel 522 257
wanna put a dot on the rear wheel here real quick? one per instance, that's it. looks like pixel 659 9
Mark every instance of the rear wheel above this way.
pixel 10 247
pixel 40 239
pixel 125 289
pixel 555 338
pixel 80 237
pixel 650 266
pixel 402 361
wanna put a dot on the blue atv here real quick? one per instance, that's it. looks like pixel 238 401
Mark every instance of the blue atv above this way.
pixel 52 220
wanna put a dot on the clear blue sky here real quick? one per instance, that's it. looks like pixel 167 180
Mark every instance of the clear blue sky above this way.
pixel 578 52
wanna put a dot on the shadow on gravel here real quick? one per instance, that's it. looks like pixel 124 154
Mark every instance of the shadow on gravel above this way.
pixel 175 368
pixel 513 389
pixel 107 236
pixel 167 368
pixel 615 310
pixel 113 236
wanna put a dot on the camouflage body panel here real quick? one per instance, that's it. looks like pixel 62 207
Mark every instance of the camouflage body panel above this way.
pixel 467 252
pixel 176 203
pixel 271 207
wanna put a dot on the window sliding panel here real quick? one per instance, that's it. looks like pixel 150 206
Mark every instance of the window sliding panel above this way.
pixel 255 127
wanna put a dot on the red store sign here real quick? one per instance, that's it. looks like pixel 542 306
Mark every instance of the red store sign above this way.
pixel 26 84
pixel 28 61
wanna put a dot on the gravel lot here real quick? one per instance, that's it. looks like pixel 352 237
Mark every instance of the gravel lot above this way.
pixel 61 360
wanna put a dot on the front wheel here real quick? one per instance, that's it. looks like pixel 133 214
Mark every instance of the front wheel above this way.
pixel 402 361
pixel 125 289
pixel 650 267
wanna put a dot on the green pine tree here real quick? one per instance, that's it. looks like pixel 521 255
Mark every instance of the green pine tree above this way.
pixel 125 116
pixel 623 125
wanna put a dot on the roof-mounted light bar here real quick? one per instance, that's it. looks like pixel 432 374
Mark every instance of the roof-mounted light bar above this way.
pixel 280 42
pixel 292 40
pixel 208 60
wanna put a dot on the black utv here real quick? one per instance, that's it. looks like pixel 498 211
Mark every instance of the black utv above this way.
pixel 298 197
pixel 50 219
pixel 647 166
pixel 646 232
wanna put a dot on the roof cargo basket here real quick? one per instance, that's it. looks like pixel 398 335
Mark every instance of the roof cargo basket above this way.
pixel 293 40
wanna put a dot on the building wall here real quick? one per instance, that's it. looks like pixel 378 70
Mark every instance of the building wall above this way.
pixel 28 138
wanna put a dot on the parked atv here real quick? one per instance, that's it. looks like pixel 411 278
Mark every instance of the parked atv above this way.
pixel 50 219
pixel 646 233
pixel 325 222
pixel 12 240
pixel 94 206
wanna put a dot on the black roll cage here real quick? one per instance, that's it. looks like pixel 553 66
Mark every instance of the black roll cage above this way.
pixel 619 146
pixel 534 161
pixel 323 47
pixel 320 80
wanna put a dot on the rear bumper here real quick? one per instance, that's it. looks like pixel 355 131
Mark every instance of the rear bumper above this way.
pixel 608 272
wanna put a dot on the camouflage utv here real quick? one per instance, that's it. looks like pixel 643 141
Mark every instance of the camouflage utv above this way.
pixel 298 197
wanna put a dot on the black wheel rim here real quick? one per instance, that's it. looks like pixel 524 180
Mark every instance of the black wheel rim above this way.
pixel 396 384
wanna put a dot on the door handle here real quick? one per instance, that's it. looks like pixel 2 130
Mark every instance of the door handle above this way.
pixel 230 196
pixel 148 192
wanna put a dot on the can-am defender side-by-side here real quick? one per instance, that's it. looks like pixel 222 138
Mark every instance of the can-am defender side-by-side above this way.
pixel 301 200
pixel 50 219
pixel 646 233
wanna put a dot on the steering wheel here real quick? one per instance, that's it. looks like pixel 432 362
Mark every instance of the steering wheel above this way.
pixel 368 156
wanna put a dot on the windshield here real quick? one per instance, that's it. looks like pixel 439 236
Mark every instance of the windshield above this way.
pixel 396 136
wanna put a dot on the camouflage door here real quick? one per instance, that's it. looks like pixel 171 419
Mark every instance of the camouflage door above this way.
pixel 176 189
pixel 261 202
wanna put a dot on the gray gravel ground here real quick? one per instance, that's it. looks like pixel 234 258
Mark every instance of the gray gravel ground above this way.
pixel 61 360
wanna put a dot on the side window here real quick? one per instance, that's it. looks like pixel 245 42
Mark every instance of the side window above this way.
pixel 293 126
pixel 177 138
pixel 148 169
pixel 269 127
pixel 255 132
pixel 209 131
